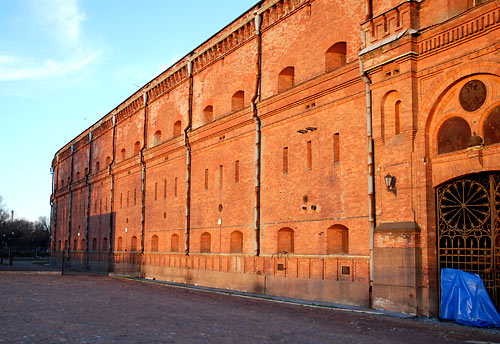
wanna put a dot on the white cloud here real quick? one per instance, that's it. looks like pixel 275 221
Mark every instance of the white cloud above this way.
pixel 62 18
pixel 15 69
pixel 62 21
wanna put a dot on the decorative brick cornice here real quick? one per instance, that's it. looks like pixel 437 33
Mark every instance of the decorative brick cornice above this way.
pixel 459 33
pixel 396 20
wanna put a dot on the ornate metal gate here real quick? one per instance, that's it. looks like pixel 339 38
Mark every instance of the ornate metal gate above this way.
pixel 469 228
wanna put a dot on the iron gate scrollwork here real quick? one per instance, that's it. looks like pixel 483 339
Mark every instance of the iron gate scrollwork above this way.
pixel 469 228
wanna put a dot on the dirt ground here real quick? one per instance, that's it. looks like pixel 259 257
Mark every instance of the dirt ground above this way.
pixel 84 308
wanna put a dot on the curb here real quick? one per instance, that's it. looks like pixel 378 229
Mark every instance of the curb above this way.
pixel 280 299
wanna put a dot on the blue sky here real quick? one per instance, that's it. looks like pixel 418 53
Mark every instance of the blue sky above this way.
pixel 66 63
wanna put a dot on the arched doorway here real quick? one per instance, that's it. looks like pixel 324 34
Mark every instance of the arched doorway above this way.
pixel 468 227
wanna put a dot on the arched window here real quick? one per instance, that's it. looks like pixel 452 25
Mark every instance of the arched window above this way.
pixel 97 167
pixel 397 117
pixel 335 56
pixel 122 154
pixel 94 244
pixel 154 243
pixel 75 245
pixel 60 246
pixel 177 128
pixel 83 245
pixel 286 79
pixel 491 127
pixel 157 138
pixel 238 101
pixel 208 114
pixel 205 243
pixel 120 244
pixel 174 243
pixel 236 242
pixel 104 244
pixel 453 135
pixel 390 115
pixel 108 161
pixel 133 244
pixel 137 147
pixel 285 240
pixel 337 237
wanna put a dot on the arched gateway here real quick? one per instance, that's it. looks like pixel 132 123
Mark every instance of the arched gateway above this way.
pixel 468 225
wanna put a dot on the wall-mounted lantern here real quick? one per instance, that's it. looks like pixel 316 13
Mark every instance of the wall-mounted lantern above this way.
pixel 390 183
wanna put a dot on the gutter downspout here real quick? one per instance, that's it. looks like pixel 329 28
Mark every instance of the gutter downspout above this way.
pixel 255 116
pixel 87 220
pixel 371 176
pixel 187 229
pixel 111 198
pixel 369 9
pixel 143 179
pixel 143 171
pixel 70 207
pixel 53 203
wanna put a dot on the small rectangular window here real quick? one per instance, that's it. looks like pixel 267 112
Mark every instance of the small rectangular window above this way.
pixel 309 155
pixel 135 196
pixel 106 205
pixel 237 171
pixel 156 191
pixel 221 175
pixel 164 189
pixel 206 179
pixel 336 148
pixel 128 198
pixel 285 160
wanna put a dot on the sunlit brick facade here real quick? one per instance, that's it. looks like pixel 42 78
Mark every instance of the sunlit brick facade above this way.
pixel 258 161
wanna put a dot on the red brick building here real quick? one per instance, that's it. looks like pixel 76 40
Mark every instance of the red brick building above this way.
pixel 341 151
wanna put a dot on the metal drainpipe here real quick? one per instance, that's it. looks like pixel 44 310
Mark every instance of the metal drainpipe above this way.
pixel 87 217
pixel 187 230
pixel 143 171
pixel 369 9
pixel 111 198
pixel 258 22
pixel 52 201
pixel 70 207
pixel 371 175
pixel 53 204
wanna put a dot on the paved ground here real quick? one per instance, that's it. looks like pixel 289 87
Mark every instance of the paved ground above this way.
pixel 80 308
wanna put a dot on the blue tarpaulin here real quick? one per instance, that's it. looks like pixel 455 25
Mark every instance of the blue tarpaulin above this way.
pixel 465 299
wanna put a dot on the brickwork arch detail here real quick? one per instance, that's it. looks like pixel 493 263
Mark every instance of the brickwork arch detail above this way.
pixel 439 89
